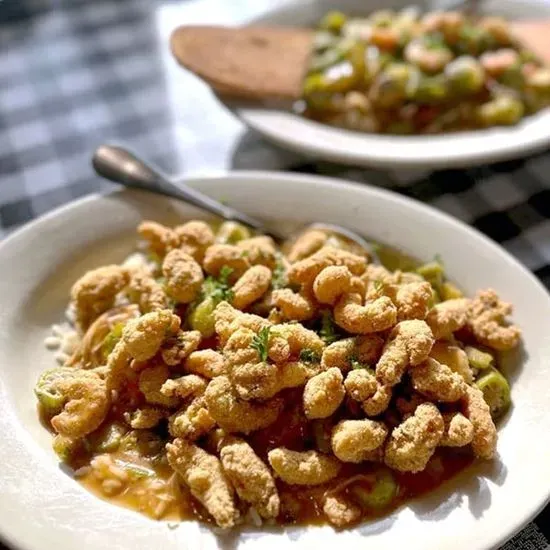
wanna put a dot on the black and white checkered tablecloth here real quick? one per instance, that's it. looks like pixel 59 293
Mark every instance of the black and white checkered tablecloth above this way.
pixel 76 73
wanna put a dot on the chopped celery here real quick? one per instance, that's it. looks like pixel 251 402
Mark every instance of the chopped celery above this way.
pixel 111 439
pixel 450 291
pixel 49 397
pixel 135 471
pixel 111 340
pixel 202 317
pixel 496 392
pixel 479 360
pixel 232 232
pixel 382 493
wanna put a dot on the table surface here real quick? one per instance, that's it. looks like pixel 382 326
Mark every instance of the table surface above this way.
pixel 75 74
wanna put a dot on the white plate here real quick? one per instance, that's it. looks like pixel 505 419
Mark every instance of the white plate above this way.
pixel 42 508
pixel 452 150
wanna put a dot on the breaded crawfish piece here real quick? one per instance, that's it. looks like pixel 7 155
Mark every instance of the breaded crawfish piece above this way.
pixel 146 418
pixel 413 442
pixel 207 363
pixel 437 381
pixel 160 238
pixel 413 300
pixel 305 271
pixel 146 292
pixel 225 255
pixel 356 318
pixel 176 349
pixel 303 468
pixel 259 250
pixel 144 336
pixel 365 349
pixel 203 474
pixel 151 381
pixel 323 394
pixel 228 320
pixel 378 274
pixel 448 317
pixel 487 321
pixel 379 402
pixel 183 275
pixel 298 338
pixel 294 306
pixel 459 431
pixel 477 411
pixel 454 357
pixel 184 386
pixel 409 343
pixel 250 476
pixel 95 292
pixel 331 283
pixel 235 415
pixel 306 244
pixel 251 286
pixel 194 238
pixel 354 440
pixel 192 421
pixel 87 404
pixel 360 384
pixel 340 511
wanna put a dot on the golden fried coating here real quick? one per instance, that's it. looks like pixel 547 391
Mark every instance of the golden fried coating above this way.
pixel 356 318
pixel 293 306
pixel 354 440
pixel 378 274
pixel 331 283
pixel 259 251
pixel 448 317
pixel 360 384
pixel 160 238
pixel 144 336
pixel 458 432
pixel 323 394
pixel 184 386
pixel 203 474
pixel 412 443
pixel 151 381
pixel 175 350
pixel 487 321
pixel 249 475
pixel 229 320
pixel 306 244
pixel 379 402
pixel 147 293
pixel 207 363
pixel 194 238
pixel 305 271
pixel 476 410
pixel 454 357
pixel 409 343
pixel 340 511
pixel 303 468
pixel 299 338
pixel 235 415
pixel 225 255
pixel 96 291
pixel 183 276
pixel 251 286
pixel 413 300
pixel 437 381
pixel 86 406
pixel 192 421
pixel 146 418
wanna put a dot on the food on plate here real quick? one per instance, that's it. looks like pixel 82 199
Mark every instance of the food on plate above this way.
pixel 215 375
pixel 407 73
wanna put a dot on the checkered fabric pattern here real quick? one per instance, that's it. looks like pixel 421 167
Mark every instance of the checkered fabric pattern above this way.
pixel 76 73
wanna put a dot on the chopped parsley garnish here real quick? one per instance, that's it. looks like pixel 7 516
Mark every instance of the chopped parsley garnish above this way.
pixel 278 280
pixel 328 331
pixel 219 289
pixel 379 285
pixel 260 342
pixel 309 356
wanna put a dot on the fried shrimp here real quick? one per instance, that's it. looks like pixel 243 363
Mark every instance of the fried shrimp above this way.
pixel 203 474
pixel 183 275
pixel 477 411
pixel 354 440
pixel 303 468
pixel 96 291
pixel 251 286
pixel 357 318
pixel 323 394
pixel 448 317
pixel 146 292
